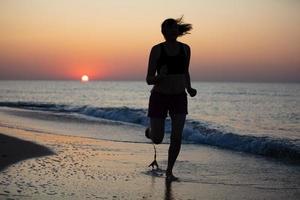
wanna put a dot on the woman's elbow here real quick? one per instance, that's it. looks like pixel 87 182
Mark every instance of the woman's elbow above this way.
pixel 149 81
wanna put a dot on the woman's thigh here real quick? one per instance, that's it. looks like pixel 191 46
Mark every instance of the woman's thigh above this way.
pixel 178 121
pixel 157 129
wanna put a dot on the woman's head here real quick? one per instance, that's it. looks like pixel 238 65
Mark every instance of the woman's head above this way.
pixel 173 28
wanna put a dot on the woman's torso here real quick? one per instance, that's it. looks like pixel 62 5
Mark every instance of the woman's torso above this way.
pixel 174 81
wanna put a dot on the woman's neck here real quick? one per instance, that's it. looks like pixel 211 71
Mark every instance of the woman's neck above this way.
pixel 171 42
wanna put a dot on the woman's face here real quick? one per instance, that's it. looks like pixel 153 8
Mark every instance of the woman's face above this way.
pixel 171 32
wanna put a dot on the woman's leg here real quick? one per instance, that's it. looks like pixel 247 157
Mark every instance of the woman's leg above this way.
pixel 178 121
pixel 157 130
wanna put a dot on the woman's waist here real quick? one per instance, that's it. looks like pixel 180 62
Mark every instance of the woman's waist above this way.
pixel 173 71
pixel 164 92
pixel 166 89
pixel 171 84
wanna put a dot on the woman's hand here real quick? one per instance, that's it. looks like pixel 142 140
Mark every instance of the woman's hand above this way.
pixel 192 92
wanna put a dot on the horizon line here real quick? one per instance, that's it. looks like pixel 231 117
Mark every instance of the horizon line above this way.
pixel 141 80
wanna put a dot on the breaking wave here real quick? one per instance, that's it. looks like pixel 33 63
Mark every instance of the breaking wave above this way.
pixel 195 132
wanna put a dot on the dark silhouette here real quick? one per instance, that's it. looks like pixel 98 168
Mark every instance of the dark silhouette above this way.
pixel 154 163
pixel 13 150
pixel 168 71
pixel 168 190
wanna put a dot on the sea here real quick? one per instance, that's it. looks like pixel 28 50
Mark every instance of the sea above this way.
pixel 256 118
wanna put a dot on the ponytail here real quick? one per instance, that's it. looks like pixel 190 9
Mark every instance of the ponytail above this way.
pixel 183 28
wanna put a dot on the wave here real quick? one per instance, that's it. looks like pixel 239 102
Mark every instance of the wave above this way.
pixel 195 132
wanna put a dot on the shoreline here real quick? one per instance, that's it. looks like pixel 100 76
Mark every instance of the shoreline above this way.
pixel 83 168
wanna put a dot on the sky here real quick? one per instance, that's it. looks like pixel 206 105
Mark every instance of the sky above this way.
pixel 231 40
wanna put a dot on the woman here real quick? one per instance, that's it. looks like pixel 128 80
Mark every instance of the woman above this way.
pixel 168 71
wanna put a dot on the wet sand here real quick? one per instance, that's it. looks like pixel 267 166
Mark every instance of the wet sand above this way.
pixel 83 168
pixel 13 150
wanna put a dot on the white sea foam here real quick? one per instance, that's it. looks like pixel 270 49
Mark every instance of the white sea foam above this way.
pixel 195 132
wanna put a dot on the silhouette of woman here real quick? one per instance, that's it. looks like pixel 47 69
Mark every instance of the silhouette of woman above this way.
pixel 168 71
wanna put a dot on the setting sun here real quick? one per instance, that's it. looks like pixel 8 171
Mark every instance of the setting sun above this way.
pixel 84 78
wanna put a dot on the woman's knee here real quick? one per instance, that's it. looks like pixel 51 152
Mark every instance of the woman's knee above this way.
pixel 176 138
pixel 158 137
pixel 157 140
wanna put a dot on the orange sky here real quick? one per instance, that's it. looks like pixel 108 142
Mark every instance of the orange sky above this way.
pixel 257 40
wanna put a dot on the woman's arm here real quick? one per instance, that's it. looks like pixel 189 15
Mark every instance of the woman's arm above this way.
pixel 152 78
pixel 187 64
pixel 188 86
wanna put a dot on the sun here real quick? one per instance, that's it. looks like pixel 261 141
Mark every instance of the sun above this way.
pixel 84 78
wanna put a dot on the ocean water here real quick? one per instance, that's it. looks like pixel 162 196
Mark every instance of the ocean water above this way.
pixel 257 118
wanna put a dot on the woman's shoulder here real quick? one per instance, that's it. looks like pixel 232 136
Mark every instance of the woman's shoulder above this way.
pixel 186 46
pixel 156 48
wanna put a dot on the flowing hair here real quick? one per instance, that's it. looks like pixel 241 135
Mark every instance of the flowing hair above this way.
pixel 183 28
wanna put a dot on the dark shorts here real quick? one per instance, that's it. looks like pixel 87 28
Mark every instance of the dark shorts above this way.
pixel 160 104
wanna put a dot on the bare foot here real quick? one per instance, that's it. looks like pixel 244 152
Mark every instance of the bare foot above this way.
pixel 170 177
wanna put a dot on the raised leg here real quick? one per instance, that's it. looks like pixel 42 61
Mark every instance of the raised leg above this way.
pixel 157 130
pixel 156 134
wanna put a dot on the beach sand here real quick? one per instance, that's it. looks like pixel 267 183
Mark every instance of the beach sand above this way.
pixel 66 167
pixel 14 150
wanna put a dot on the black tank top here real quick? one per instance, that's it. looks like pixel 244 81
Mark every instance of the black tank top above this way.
pixel 175 64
